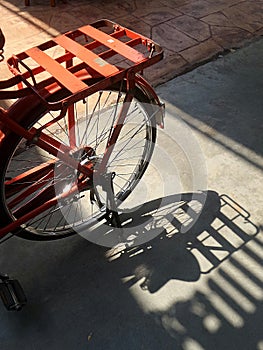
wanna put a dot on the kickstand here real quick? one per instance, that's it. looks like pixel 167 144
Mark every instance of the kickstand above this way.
pixel 12 293
pixel 112 214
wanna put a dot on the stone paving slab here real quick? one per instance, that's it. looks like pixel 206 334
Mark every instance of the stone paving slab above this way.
pixel 191 31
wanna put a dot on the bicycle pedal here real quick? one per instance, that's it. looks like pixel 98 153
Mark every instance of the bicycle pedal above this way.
pixel 12 294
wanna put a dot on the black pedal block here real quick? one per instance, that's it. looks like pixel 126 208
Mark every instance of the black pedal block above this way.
pixel 12 294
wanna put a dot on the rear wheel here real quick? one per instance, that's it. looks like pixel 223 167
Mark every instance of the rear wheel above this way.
pixel 31 176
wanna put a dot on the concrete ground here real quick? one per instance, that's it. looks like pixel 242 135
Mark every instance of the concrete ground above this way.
pixel 199 283
pixel 192 287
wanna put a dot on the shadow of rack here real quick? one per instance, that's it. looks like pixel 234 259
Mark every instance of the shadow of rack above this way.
pixel 193 237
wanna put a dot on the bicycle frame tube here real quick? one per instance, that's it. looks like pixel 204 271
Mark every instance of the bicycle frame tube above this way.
pixel 120 121
pixel 23 219
pixel 53 147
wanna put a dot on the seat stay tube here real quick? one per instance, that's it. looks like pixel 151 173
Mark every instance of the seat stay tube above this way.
pixel 58 150
pixel 120 121
pixel 71 125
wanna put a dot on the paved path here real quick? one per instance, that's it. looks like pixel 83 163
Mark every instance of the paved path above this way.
pixel 191 31
pixel 200 289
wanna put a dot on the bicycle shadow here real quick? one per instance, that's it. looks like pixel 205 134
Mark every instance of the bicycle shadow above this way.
pixel 221 314
pixel 191 243
pixel 227 313
pixel 193 234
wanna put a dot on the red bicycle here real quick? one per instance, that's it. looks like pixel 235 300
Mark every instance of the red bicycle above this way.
pixel 81 131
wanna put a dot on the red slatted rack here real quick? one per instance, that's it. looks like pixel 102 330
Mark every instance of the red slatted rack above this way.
pixel 96 48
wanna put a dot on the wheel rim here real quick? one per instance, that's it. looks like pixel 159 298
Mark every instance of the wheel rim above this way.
pixel 95 118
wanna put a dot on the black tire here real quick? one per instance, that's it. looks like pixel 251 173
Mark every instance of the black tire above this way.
pixel 14 150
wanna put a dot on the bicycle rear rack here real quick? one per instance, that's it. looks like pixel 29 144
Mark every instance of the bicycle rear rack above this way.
pixel 103 52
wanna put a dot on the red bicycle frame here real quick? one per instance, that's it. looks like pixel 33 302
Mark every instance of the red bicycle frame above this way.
pixel 93 74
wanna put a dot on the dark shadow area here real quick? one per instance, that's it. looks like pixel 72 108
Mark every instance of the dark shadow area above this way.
pixel 78 293
pixel 2 43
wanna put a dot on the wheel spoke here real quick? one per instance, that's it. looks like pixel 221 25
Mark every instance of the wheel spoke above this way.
pixel 32 203
pixel 23 180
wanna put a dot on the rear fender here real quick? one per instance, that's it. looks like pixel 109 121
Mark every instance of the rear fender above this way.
pixel 151 94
